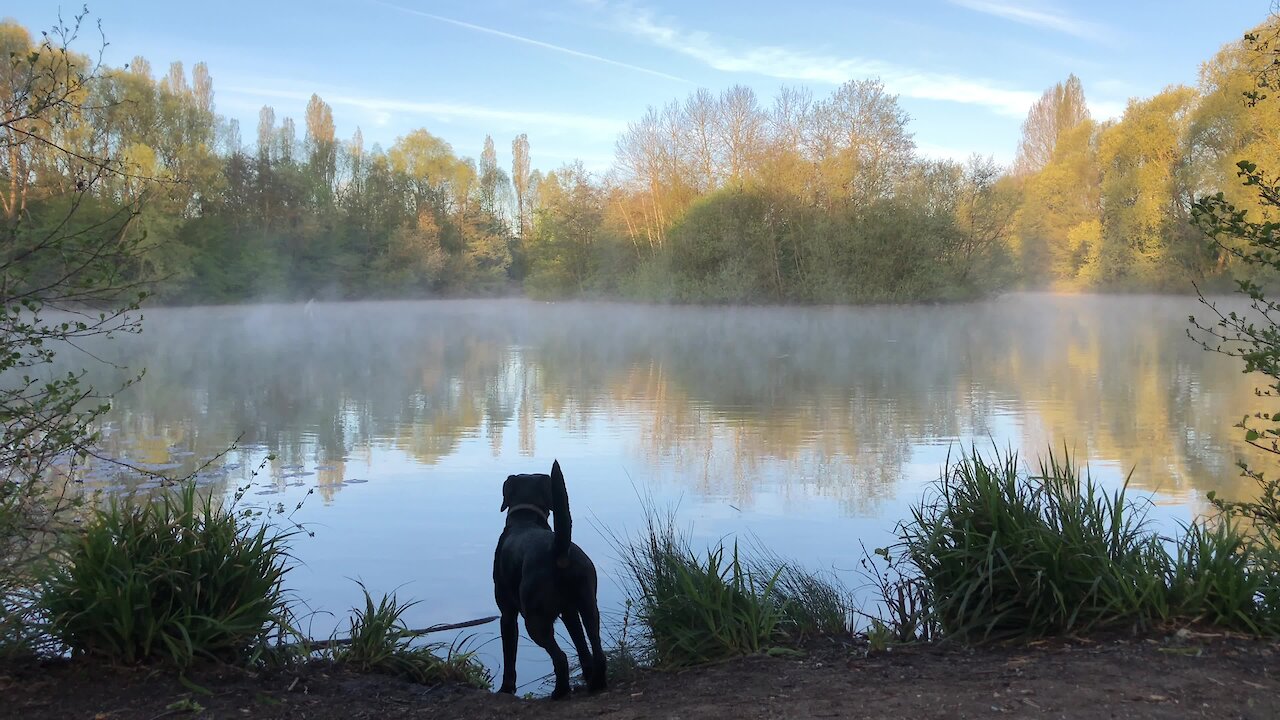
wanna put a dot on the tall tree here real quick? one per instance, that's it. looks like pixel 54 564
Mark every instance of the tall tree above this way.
pixel 984 217
pixel 1059 109
pixel 1139 157
pixel 176 81
pixel 202 87
pixel 1058 225
pixel 140 66
pixel 741 130
pixel 698 144
pixel 321 146
pixel 490 177
pixel 520 178
pixel 286 140
pixel 266 133
pixel 862 142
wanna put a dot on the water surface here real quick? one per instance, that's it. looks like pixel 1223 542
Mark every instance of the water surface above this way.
pixel 810 429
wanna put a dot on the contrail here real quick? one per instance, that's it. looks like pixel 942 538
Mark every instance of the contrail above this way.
pixel 531 41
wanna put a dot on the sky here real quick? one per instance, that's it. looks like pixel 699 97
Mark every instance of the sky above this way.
pixel 573 73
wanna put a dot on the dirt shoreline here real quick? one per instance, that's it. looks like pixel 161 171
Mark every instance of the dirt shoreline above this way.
pixel 1179 677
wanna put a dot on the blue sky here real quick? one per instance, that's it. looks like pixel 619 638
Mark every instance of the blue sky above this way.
pixel 573 73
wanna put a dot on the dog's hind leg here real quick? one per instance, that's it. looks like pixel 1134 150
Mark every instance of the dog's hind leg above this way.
pixel 598 678
pixel 573 624
pixel 510 641
pixel 542 631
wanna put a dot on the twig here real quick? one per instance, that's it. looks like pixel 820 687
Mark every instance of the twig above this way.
pixel 335 642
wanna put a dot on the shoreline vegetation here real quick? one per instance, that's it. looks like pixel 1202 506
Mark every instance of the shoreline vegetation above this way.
pixel 996 556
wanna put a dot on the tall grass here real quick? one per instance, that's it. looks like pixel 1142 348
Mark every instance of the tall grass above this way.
pixel 378 640
pixel 998 553
pixel 694 608
pixel 1224 577
pixel 1005 554
pixel 173 580
pixel 810 604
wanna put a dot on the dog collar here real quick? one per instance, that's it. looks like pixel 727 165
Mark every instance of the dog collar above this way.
pixel 528 506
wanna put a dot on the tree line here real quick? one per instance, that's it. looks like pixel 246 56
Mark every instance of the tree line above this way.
pixel 713 198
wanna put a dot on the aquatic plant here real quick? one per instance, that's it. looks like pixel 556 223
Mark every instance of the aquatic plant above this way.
pixel 379 641
pixel 175 579
pixel 694 608
pixel 998 553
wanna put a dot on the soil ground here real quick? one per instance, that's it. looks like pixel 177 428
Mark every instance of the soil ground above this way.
pixel 1186 677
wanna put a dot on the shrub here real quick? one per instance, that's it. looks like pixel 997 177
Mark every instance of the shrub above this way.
pixel 693 609
pixel 173 580
pixel 810 604
pixel 1223 577
pixel 999 554
pixel 379 641
pixel 1002 554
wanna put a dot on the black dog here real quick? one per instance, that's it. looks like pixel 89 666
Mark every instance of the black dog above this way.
pixel 540 574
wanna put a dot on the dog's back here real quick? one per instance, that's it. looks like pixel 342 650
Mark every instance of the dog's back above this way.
pixel 528 567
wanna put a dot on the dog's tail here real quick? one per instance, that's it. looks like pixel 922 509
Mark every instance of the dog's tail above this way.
pixel 562 523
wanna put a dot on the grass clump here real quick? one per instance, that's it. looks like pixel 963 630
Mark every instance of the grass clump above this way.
pixel 1003 554
pixel 378 641
pixel 172 580
pixel 997 553
pixel 1225 577
pixel 810 604
pixel 694 608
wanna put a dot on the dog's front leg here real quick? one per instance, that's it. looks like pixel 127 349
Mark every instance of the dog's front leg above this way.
pixel 510 640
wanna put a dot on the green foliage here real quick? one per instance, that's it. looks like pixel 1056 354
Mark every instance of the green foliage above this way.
pixel 65 244
pixel 810 604
pixel 695 609
pixel 1253 335
pixel 753 245
pixel 1225 578
pixel 174 580
pixel 997 554
pixel 1003 554
pixel 378 641
pixel 879 635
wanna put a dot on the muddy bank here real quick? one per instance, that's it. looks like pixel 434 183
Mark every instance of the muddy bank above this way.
pixel 1198 676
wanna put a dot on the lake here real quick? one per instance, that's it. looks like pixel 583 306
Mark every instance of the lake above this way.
pixel 807 430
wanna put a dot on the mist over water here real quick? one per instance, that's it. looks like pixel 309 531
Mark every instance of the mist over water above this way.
pixel 808 429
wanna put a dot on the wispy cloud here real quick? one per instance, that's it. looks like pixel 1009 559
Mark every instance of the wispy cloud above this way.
pixel 384 108
pixel 1107 109
pixel 792 64
pixel 1042 17
pixel 530 41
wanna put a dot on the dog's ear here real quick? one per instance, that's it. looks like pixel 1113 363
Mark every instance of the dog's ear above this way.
pixel 506 493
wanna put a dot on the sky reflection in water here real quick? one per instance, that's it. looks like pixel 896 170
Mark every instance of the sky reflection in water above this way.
pixel 809 430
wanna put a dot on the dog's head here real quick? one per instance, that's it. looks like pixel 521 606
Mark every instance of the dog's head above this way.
pixel 527 489
pixel 535 489
pixel 538 491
